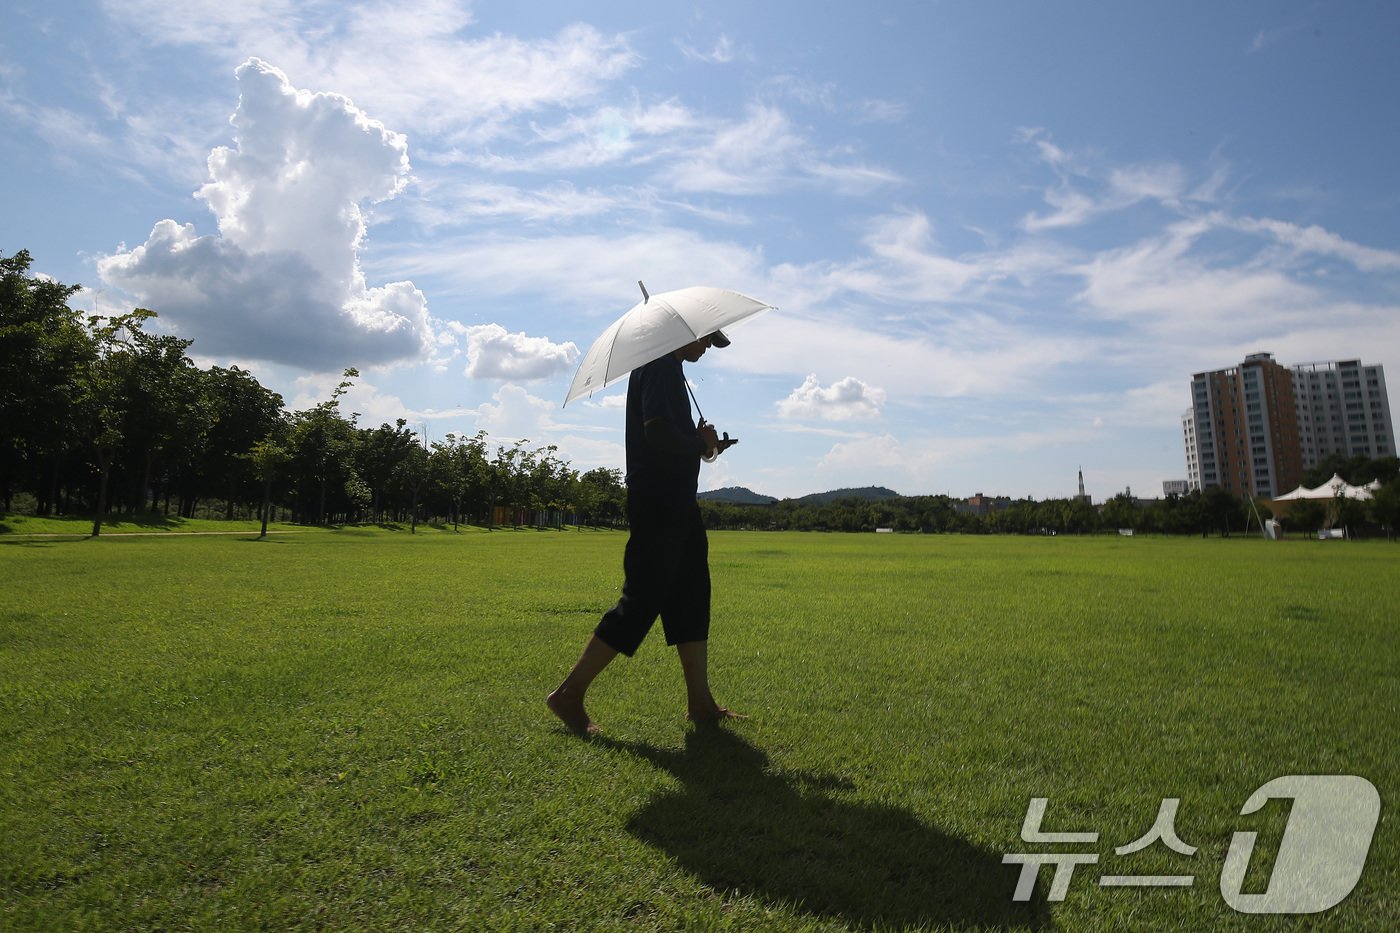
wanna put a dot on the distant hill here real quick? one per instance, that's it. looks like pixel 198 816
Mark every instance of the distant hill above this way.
pixel 737 495
pixel 864 492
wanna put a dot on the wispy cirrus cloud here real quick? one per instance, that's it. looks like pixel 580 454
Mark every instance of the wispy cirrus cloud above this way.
pixel 722 51
pixel 1265 38
pixel 548 266
pixel 459 85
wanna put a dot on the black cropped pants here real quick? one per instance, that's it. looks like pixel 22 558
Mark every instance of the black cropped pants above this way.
pixel 666 571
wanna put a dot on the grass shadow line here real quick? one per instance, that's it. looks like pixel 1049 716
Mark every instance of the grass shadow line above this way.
pixel 740 826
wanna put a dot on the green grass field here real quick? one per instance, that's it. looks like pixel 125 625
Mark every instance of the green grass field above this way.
pixel 346 730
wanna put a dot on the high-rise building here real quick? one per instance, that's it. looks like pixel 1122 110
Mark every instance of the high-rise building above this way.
pixel 1255 428
pixel 1193 454
pixel 1343 409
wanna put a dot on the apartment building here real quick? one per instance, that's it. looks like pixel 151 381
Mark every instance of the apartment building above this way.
pixel 1343 408
pixel 1255 428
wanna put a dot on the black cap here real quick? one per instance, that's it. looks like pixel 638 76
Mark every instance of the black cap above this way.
pixel 717 339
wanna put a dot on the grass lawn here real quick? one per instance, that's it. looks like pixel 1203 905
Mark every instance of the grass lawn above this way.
pixel 346 729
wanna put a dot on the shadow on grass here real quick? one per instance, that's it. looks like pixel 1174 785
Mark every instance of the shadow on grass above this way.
pixel 741 827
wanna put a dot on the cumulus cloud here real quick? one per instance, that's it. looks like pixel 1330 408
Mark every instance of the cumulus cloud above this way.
pixel 282 280
pixel 495 353
pixel 844 400
pixel 513 413
pixel 865 452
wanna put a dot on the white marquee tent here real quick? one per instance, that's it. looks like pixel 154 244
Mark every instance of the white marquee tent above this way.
pixel 1329 492
pixel 1334 488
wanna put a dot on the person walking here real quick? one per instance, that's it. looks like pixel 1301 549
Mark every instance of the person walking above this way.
pixel 666 562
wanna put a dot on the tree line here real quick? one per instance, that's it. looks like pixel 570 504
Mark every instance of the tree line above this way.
pixel 99 415
pixel 1212 511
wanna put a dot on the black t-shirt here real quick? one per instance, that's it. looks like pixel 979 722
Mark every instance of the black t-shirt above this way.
pixel 657 390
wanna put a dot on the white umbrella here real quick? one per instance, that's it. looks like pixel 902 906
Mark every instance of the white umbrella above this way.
pixel 658 325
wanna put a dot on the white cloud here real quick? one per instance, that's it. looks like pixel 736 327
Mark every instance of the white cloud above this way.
pixel 749 157
pixel 514 414
pixel 876 110
pixel 1267 37
pixel 1317 241
pixel 616 402
pixel 723 52
pixel 436 205
pixel 410 61
pixel 844 400
pixel 495 353
pixel 1133 183
pixel 761 154
pixel 1110 189
pixel 827 97
pixel 882 451
pixel 1167 281
pixel 362 399
pixel 282 280
pixel 665 258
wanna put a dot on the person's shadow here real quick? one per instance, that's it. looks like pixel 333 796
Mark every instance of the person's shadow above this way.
pixel 740 827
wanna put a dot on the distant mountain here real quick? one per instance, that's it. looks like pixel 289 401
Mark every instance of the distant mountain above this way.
pixel 737 495
pixel 865 492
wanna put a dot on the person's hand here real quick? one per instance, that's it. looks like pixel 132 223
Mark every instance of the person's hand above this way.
pixel 709 437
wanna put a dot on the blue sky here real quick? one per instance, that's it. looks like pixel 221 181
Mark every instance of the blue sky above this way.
pixel 1001 236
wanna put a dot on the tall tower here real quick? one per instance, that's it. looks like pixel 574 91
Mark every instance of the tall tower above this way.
pixel 1083 497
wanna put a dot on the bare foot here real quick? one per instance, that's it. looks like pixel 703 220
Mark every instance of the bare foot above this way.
pixel 569 709
pixel 710 716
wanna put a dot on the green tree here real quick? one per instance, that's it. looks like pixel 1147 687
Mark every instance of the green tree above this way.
pixel 167 417
pixel 242 414
pixel 102 402
pixel 267 457
pixel 46 352
pixel 412 472
pixel 507 486
pixel 1385 508
pixel 447 471
pixel 1349 513
pixel 380 458
pixel 322 449
pixel 1306 515
pixel 1121 512
pixel 1221 511
pixel 602 498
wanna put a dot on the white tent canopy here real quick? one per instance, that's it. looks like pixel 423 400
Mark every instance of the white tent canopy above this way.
pixel 1334 488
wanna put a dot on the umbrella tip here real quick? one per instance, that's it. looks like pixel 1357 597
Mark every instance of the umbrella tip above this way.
pixel 645 296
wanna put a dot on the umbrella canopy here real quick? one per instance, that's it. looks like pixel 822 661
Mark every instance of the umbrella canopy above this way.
pixel 658 325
